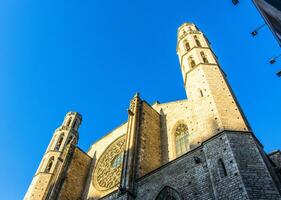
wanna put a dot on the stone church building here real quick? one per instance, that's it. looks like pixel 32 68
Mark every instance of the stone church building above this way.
pixel 196 148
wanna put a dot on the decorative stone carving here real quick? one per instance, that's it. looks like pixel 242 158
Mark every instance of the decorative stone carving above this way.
pixel 107 173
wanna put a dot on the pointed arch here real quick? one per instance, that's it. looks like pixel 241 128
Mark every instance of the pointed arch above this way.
pixel 69 121
pixel 181 138
pixel 197 41
pixel 74 124
pixel 191 62
pixel 49 165
pixel 168 193
pixel 69 139
pixel 204 57
pixel 60 140
pixel 187 45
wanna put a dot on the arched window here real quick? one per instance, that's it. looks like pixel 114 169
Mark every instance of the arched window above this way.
pixel 69 121
pixel 168 193
pixel 204 57
pixel 49 165
pixel 221 168
pixel 191 62
pixel 187 46
pixel 74 124
pixel 181 139
pixel 59 142
pixel 69 139
pixel 197 41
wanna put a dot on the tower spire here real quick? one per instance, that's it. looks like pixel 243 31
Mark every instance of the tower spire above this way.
pixel 206 85
pixel 50 167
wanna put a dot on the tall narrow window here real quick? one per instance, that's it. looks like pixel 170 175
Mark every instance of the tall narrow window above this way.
pixel 197 41
pixel 187 46
pixel 74 124
pixel 49 165
pixel 181 139
pixel 57 148
pixel 191 62
pixel 69 139
pixel 204 57
pixel 222 169
pixel 69 121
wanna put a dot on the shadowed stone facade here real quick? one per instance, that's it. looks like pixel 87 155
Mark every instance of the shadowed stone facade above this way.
pixel 201 147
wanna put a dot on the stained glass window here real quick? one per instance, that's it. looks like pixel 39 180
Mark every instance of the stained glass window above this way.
pixel 181 138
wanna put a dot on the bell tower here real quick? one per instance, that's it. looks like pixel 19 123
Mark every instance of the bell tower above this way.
pixel 51 165
pixel 214 106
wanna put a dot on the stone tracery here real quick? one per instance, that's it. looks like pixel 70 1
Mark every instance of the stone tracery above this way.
pixel 106 176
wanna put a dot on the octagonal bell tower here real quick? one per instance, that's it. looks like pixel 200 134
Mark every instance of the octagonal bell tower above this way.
pixel 48 173
pixel 214 106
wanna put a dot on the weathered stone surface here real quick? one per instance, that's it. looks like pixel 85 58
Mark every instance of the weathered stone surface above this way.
pixel 197 148
pixel 76 176
pixel 196 175
pixel 149 144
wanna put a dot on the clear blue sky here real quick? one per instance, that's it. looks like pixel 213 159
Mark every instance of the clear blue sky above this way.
pixel 91 56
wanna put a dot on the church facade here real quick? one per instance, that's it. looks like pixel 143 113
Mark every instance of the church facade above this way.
pixel 197 148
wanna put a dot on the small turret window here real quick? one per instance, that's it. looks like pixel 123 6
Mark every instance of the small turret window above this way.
pixel 181 138
pixel 187 46
pixel 49 165
pixel 197 41
pixel 74 124
pixel 69 121
pixel 204 57
pixel 69 139
pixel 57 148
pixel 191 62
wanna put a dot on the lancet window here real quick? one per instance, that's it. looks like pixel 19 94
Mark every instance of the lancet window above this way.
pixel 49 165
pixel 191 62
pixel 204 57
pixel 197 41
pixel 181 139
pixel 58 145
pixel 168 193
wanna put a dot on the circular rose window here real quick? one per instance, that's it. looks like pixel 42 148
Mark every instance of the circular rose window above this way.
pixel 108 169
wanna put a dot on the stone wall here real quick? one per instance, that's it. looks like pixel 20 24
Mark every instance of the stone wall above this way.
pixel 224 173
pixel 199 174
pixel 256 175
pixel 149 141
pixel 76 176
pixel 172 113
pixel 190 178
pixel 37 187
pixel 213 105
